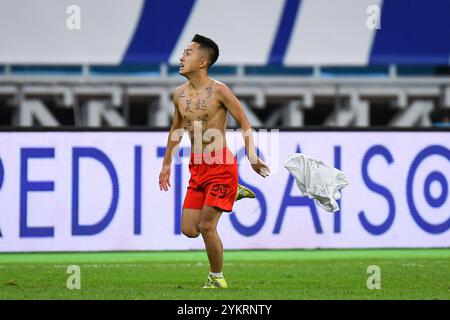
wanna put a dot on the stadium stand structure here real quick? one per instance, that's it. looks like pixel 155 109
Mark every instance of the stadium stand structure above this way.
pixel 292 63
pixel 272 96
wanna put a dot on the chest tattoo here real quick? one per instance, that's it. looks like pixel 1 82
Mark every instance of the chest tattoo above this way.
pixel 188 105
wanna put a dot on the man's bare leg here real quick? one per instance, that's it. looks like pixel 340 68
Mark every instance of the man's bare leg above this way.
pixel 190 222
pixel 208 228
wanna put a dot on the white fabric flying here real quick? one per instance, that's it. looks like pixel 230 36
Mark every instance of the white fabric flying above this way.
pixel 317 180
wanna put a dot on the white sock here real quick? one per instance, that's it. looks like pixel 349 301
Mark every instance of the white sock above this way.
pixel 216 274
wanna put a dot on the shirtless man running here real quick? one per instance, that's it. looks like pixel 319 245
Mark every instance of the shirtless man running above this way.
pixel 201 106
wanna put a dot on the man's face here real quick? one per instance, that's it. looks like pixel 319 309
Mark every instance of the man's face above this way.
pixel 191 60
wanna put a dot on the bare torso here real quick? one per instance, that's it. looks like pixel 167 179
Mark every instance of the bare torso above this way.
pixel 204 116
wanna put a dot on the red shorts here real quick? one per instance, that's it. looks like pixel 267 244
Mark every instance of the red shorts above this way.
pixel 214 180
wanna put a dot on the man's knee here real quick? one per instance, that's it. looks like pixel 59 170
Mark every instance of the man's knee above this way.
pixel 190 232
pixel 206 227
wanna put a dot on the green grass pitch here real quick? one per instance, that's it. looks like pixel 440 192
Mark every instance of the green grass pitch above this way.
pixel 259 275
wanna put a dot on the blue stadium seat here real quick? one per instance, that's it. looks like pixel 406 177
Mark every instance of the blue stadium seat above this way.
pixel 135 70
pixel 46 70
pixel 370 71
pixel 278 70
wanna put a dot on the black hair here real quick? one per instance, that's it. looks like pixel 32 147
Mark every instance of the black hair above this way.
pixel 210 45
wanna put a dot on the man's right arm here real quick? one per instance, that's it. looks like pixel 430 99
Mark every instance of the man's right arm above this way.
pixel 173 141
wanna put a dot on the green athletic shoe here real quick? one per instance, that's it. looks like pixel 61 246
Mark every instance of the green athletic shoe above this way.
pixel 215 283
pixel 244 192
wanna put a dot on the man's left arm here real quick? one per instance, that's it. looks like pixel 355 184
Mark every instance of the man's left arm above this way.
pixel 232 104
